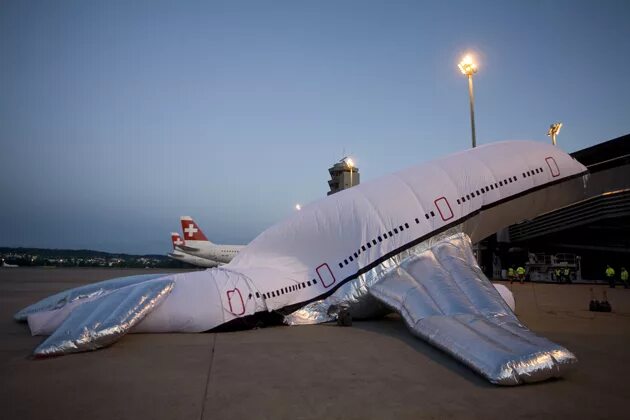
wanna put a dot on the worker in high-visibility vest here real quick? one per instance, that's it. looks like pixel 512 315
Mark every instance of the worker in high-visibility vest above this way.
pixel 511 274
pixel 567 275
pixel 624 277
pixel 520 271
pixel 557 273
pixel 610 276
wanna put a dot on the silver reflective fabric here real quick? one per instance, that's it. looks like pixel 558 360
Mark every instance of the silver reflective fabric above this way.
pixel 446 300
pixel 354 295
pixel 89 291
pixel 101 322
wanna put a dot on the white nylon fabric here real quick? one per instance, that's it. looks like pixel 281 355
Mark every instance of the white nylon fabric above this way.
pixel 310 253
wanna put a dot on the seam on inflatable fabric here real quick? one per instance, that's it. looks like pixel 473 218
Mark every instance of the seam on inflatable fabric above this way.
pixel 522 337
pixel 293 307
pixel 422 287
pixel 494 342
pixel 360 194
pixel 406 184
pixel 454 281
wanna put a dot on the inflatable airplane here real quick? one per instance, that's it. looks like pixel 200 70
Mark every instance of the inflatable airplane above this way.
pixel 399 243
pixel 178 255
pixel 198 245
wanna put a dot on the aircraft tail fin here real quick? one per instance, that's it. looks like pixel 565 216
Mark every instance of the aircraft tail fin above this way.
pixel 176 239
pixel 192 231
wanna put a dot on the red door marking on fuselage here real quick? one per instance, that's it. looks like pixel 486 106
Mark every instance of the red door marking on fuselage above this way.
pixel 443 206
pixel 230 294
pixel 553 166
pixel 325 274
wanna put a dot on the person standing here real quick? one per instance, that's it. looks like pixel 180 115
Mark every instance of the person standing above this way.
pixel 520 271
pixel 511 274
pixel 624 277
pixel 567 275
pixel 610 276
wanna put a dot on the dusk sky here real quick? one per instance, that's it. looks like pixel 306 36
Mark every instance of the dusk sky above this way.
pixel 118 117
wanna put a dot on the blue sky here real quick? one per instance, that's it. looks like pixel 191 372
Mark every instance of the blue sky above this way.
pixel 118 117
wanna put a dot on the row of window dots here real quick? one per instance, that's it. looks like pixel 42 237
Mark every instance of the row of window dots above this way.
pixel 432 213
pixel 380 238
pixel 496 185
pixel 288 289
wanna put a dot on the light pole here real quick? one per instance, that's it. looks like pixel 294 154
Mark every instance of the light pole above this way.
pixel 468 68
pixel 554 130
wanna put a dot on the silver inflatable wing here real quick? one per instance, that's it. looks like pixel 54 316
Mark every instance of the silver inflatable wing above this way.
pixel 89 291
pixel 446 300
pixel 102 321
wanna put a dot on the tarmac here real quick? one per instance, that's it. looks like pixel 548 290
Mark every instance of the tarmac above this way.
pixel 374 369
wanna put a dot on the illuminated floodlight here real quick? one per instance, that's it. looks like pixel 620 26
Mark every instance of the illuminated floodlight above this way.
pixel 554 130
pixel 467 66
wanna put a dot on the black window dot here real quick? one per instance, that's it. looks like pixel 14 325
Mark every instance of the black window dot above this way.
pixel 350 258
pixel 250 296
pixel 369 245
pixel 380 239
pixel 373 241
pixel 345 262
pixel 314 281
pixel 363 248
pixel 390 234
pixel 467 196
pixel 491 187
pixel 418 221
pixel 501 183
pixel 303 285
pixel 407 225
pixel 340 265
pixel 359 252
pixel 426 215
pixel 257 294
pixel 308 283
pixel 495 185
pixel 396 231
pixel 356 255
pixel 523 174
pixel 432 214
pixel 459 201
pixel 401 228
pixel 487 189
pixel 478 193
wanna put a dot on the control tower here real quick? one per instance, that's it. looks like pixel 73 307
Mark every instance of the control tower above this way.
pixel 344 175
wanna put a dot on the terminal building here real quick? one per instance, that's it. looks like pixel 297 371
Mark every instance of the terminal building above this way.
pixel 343 175
pixel 583 237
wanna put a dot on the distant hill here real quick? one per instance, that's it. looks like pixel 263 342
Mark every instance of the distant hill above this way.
pixel 77 253
pixel 84 258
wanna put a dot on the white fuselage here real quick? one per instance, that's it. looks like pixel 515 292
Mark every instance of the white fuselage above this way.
pixel 220 253
pixel 193 259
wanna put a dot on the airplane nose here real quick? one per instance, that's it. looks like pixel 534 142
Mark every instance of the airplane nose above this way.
pixel 194 305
